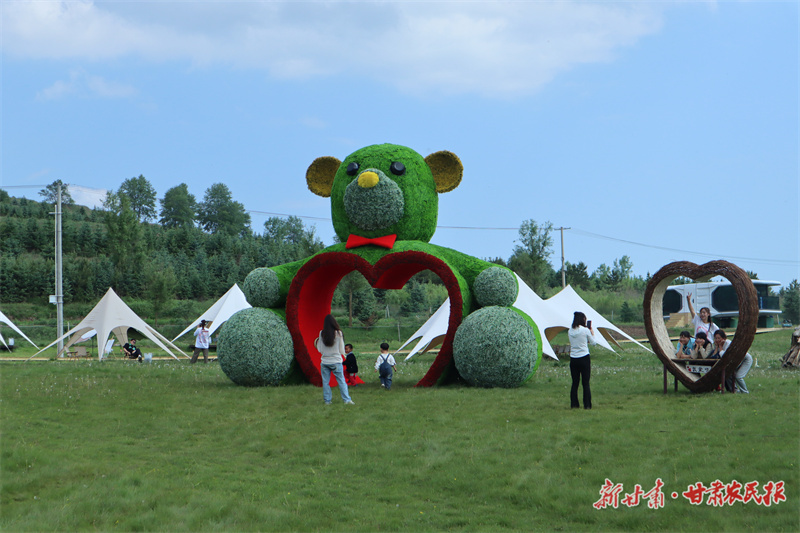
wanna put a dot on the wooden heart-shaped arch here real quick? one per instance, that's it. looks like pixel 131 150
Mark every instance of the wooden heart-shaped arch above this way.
pixel 657 330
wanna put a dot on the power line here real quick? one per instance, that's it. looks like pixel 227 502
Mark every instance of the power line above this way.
pixel 780 262
pixel 287 215
pixel 786 262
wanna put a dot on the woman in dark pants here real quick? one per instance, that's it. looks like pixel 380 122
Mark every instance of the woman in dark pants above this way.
pixel 580 365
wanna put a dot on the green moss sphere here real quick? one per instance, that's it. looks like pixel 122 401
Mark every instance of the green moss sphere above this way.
pixel 255 348
pixel 496 347
pixel 496 286
pixel 262 288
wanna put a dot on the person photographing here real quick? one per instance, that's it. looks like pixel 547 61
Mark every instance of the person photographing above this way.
pixel 201 342
pixel 580 365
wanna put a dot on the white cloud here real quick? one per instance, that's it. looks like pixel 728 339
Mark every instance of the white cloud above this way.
pixel 83 84
pixel 87 196
pixel 489 48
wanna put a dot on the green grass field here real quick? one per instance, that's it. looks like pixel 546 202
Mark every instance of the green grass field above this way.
pixel 122 446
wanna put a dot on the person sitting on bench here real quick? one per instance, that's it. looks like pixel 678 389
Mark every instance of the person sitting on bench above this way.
pixel 702 346
pixel 683 350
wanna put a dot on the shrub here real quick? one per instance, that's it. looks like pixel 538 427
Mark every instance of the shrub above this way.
pixel 496 347
pixel 496 286
pixel 262 288
pixel 255 348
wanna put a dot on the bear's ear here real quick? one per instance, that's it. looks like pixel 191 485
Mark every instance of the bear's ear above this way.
pixel 447 170
pixel 320 174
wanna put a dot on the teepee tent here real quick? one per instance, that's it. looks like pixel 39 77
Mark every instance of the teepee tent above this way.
pixel 569 300
pixel 112 316
pixel 230 303
pixel 7 321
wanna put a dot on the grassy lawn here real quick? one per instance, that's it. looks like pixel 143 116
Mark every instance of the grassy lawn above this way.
pixel 122 446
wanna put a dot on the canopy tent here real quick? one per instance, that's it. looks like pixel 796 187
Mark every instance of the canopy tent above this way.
pixel 230 303
pixel 112 316
pixel 551 316
pixel 7 321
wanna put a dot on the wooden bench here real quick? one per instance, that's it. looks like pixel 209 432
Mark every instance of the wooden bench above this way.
pixel 79 351
pixel 697 363
pixel 561 349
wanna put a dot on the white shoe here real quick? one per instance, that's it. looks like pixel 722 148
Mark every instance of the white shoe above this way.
pixel 349 402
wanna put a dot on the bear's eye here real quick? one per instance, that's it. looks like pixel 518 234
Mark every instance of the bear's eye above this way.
pixel 398 168
pixel 352 169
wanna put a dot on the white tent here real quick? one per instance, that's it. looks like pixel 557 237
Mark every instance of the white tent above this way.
pixel 231 302
pixel 545 316
pixel 89 334
pixel 551 316
pixel 569 301
pixel 4 319
pixel 432 332
pixel 112 315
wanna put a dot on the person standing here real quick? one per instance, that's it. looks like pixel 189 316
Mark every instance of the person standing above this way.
pixel 350 366
pixel 330 344
pixel 201 342
pixel 702 320
pixel 580 365
pixel 385 366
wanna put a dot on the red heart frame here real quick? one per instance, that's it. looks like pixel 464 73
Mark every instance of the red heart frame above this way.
pixel 311 292
pixel 657 330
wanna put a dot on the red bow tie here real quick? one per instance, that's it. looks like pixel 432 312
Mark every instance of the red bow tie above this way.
pixel 387 241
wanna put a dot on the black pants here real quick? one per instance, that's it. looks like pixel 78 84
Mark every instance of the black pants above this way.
pixel 580 367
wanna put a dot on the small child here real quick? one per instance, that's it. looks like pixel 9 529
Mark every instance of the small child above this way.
pixel 385 366
pixel 351 366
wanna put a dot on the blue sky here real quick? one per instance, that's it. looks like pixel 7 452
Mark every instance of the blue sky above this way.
pixel 664 131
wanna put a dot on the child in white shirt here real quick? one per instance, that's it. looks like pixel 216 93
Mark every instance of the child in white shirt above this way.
pixel 385 366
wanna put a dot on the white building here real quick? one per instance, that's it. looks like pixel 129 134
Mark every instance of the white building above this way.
pixel 720 298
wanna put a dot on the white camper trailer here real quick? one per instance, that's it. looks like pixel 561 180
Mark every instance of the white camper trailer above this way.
pixel 720 298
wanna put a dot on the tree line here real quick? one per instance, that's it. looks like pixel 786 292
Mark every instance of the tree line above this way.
pixel 195 251
pixel 178 247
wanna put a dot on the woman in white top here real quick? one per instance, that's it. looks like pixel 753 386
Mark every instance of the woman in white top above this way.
pixel 721 345
pixel 702 320
pixel 330 344
pixel 202 342
pixel 580 365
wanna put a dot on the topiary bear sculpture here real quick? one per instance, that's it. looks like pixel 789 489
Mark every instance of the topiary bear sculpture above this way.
pixel 384 205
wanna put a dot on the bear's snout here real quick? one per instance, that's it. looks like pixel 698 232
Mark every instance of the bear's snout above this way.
pixel 368 179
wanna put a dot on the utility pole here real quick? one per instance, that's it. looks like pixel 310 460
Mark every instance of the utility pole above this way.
pixel 59 286
pixel 563 272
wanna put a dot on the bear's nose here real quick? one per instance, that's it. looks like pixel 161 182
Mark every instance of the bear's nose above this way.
pixel 368 179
